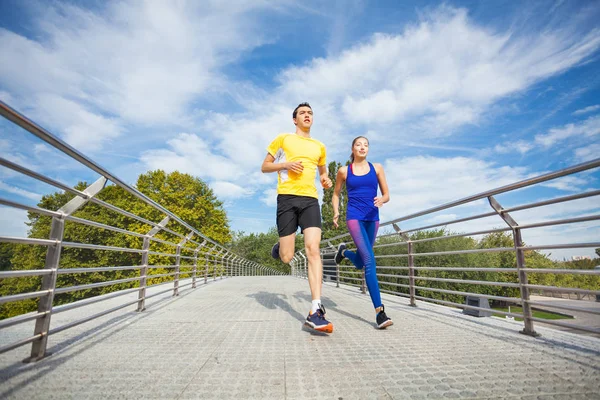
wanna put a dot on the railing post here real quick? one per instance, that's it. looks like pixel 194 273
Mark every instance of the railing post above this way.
pixel 215 263
pixel 337 275
pixel 520 254
pixel 194 269
pixel 411 274
pixel 141 306
pixel 528 329
pixel 196 264
pixel 304 265
pixel 411 264
pixel 57 230
pixel 178 262
pixel 363 283
pixel 176 280
pixel 222 265
pixel 206 270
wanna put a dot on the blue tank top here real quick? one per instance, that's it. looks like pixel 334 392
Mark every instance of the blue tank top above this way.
pixel 362 191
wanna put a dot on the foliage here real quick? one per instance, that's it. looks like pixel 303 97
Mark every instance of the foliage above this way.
pixel 6 253
pixel 257 247
pixel 329 230
pixel 184 195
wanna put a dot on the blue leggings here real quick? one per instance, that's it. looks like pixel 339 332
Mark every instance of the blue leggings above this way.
pixel 363 233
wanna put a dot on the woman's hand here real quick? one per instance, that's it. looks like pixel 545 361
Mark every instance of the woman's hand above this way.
pixel 335 220
pixel 378 202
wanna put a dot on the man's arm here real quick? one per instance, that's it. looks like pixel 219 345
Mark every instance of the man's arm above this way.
pixel 324 177
pixel 269 165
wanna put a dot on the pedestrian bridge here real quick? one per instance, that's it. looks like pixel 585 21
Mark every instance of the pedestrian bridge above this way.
pixel 197 320
pixel 243 337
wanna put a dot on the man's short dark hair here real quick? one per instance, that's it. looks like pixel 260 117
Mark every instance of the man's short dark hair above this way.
pixel 305 104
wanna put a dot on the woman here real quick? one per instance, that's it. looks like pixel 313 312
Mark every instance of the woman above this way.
pixel 362 217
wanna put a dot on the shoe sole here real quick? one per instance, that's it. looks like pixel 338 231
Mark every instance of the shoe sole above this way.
pixel 385 324
pixel 327 328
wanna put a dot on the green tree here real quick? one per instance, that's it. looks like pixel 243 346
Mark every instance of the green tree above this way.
pixel 257 247
pixel 184 195
pixel 327 209
pixel 6 253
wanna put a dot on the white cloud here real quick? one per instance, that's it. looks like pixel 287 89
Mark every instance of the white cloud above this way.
pixel 440 218
pixel 571 183
pixel 432 78
pixel 588 152
pixel 40 149
pixel 82 129
pixel 586 129
pixel 520 146
pixel 12 222
pixel 269 197
pixel 415 183
pixel 190 154
pixel 6 97
pixel 587 110
pixel 446 69
pixel 141 62
pixel 20 192
pixel 4 145
pixel 228 190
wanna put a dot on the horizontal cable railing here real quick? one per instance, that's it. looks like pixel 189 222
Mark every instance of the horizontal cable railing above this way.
pixel 192 256
pixel 429 262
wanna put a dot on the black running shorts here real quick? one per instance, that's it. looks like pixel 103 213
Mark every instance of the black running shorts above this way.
pixel 297 211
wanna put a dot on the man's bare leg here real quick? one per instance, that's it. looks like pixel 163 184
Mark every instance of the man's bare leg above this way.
pixel 316 318
pixel 312 239
pixel 287 247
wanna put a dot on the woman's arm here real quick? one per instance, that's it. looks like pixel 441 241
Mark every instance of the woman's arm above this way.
pixel 335 199
pixel 383 186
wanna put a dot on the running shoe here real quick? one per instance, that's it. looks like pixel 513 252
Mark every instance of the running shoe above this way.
pixel 383 321
pixel 275 251
pixel 318 322
pixel 339 256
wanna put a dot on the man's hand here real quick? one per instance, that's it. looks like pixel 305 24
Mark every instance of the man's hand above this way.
pixel 335 220
pixel 295 166
pixel 378 202
pixel 326 182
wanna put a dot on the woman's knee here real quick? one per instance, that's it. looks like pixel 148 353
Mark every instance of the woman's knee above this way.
pixel 369 262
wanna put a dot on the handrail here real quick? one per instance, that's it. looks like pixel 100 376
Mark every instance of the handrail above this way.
pixel 30 126
pixel 184 255
pixel 433 276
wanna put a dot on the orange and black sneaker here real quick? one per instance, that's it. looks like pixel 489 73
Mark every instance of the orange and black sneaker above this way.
pixel 318 322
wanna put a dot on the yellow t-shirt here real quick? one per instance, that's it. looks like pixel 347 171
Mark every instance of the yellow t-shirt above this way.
pixel 292 147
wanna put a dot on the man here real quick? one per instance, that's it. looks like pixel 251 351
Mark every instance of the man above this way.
pixel 296 158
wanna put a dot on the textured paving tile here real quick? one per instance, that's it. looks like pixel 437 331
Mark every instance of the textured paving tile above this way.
pixel 243 338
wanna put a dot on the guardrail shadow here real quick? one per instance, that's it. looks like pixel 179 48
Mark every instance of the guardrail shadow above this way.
pixel 49 363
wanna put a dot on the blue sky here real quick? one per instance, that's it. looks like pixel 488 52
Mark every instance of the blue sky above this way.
pixel 455 97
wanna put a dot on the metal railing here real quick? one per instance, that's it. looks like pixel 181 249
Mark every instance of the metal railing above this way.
pixel 415 263
pixel 194 257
